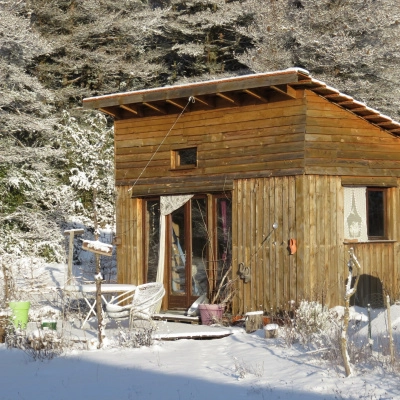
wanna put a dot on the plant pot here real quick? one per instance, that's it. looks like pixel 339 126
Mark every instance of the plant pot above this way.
pixel 266 321
pixel 20 310
pixel 211 313
pixel 51 325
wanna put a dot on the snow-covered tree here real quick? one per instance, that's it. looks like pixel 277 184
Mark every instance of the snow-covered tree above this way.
pixel 88 144
pixel 352 45
pixel 53 53
pixel 31 200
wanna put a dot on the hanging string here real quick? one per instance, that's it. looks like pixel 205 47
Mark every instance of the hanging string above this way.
pixel 190 100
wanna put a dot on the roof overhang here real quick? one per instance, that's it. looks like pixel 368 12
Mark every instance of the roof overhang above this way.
pixel 230 92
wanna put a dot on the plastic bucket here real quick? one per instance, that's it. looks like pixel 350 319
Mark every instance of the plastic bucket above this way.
pixel 211 313
pixel 20 310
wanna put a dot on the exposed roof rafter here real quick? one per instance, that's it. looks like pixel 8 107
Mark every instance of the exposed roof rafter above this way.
pixel 229 97
pixel 177 103
pixel 285 89
pixel 256 95
pixel 155 108
pixel 112 111
pixel 202 101
pixel 130 108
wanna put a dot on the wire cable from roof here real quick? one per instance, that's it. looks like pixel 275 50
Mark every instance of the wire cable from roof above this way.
pixel 190 100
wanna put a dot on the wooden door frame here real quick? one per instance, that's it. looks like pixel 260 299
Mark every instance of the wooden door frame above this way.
pixel 212 229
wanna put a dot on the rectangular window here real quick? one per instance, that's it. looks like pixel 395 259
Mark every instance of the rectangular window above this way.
pixel 184 158
pixel 364 213
pixel 151 227
pixel 376 213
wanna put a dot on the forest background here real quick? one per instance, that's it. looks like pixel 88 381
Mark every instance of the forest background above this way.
pixel 53 53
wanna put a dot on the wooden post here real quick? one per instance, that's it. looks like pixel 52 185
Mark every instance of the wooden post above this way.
pixel 253 321
pixel 98 277
pixel 71 233
pixel 390 330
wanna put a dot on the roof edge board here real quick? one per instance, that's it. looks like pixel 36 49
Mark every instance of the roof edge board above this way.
pixel 295 78
pixel 195 89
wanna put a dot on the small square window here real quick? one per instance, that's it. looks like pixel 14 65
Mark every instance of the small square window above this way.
pixel 184 158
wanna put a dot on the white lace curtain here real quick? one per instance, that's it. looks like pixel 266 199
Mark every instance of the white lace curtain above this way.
pixel 355 214
pixel 168 204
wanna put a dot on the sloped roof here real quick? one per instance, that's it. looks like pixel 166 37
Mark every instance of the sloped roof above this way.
pixel 173 99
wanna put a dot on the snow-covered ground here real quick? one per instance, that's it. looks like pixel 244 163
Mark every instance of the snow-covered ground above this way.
pixel 240 366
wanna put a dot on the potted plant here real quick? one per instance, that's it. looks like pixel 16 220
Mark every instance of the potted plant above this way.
pixel 221 294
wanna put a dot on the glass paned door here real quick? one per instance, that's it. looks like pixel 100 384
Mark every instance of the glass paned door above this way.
pixel 188 253
pixel 178 252
pixel 199 279
pixel 224 236
pixel 198 246
pixel 152 242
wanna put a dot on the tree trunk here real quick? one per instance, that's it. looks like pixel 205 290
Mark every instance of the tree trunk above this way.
pixel 345 353
pixel 346 317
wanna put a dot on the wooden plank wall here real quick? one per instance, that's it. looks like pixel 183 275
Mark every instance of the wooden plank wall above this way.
pixel 378 272
pixel 308 208
pixel 128 237
pixel 319 210
pixel 266 142
pixel 266 139
pixel 257 204
pixel 341 143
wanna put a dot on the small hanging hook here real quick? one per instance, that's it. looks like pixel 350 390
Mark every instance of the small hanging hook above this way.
pixel 244 273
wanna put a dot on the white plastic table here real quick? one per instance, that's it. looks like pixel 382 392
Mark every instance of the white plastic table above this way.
pixel 91 288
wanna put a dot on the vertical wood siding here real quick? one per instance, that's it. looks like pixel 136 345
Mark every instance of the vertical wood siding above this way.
pixel 129 237
pixel 257 204
pixel 309 209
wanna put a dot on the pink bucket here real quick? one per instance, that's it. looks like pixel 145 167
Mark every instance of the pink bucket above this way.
pixel 211 313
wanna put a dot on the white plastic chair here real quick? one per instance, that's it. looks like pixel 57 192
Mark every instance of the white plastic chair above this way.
pixel 144 302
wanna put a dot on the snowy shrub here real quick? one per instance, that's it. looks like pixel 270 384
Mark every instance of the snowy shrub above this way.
pixel 136 338
pixel 312 319
pixel 288 333
pixel 39 345
pixel 243 369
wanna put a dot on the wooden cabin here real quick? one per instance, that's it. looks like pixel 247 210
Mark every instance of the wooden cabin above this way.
pixel 249 152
